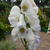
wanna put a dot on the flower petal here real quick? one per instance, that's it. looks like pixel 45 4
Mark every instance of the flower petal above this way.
pixel 15 10
pixel 21 21
pixel 30 6
pixel 30 35
pixel 14 16
pixel 13 21
pixel 14 34
pixel 25 4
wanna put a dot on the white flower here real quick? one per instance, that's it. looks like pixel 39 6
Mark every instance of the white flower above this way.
pixel 29 7
pixel 30 35
pixel 14 16
pixel 35 8
pixel 14 33
pixel 27 34
pixel 21 21
pixel 31 11
pixel 36 25
pixel 34 22
pixel 26 6
pixel 31 18
pixel 15 11
pixel 13 21
pixel 33 45
pixel 36 28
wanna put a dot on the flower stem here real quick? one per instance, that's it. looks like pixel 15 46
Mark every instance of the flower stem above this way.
pixel 25 43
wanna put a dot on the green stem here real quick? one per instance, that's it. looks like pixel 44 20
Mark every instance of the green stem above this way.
pixel 24 42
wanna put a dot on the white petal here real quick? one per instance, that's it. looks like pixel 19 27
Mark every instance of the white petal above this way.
pixel 32 8
pixel 34 23
pixel 21 21
pixel 30 35
pixel 32 19
pixel 37 28
pixel 14 34
pixel 26 3
pixel 15 10
pixel 37 37
pixel 33 3
pixel 13 21
pixel 35 8
pixel 14 16
pixel 31 45
pixel 22 34
pixel 36 44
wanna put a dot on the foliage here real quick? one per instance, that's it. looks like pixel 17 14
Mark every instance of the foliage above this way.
pixel 4 11
pixel 7 45
pixel 4 8
pixel 42 3
pixel 43 21
pixel 2 35
pixel 4 24
pixel 17 2
pixel 3 29
pixel 47 11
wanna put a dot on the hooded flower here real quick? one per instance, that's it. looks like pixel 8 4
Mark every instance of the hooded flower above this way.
pixel 31 11
pixel 15 10
pixel 21 31
pixel 29 7
pixel 30 35
pixel 21 21
pixel 35 8
pixel 26 6
pixel 20 27
pixel 36 25
pixel 27 33
pixel 14 34
pixel 14 16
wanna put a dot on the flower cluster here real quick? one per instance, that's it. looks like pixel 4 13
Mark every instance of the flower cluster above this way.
pixel 25 22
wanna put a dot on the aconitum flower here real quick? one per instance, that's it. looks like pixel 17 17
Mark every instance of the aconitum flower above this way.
pixel 14 16
pixel 35 8
pixel 36 25
pixel 21 21
pixel 15 10
pixel 25 6
pixel 18 32
pixel 31 11
pixel 25 23
pixel 29 7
